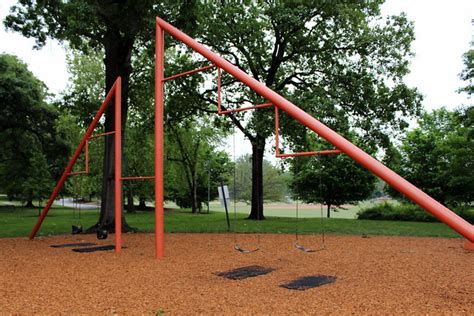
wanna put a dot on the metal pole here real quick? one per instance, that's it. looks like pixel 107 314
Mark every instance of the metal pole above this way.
pixel 71 163
pixel 118 166
pixel 397 182
pixel 159 187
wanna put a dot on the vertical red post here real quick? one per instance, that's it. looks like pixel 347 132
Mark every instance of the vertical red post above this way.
pixel 118 166
pixel 159 199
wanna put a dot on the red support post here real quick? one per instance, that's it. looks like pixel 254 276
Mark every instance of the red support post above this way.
pixel 159 109
pixel 397 182
pixel 118 166
pixel 73 160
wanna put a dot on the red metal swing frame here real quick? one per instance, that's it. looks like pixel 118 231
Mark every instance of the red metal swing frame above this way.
pixel 341 144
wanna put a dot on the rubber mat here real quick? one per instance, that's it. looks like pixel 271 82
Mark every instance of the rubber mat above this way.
pixel 309 282
pixel 245 272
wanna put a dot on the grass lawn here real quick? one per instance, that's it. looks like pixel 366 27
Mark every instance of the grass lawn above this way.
pixel 18 222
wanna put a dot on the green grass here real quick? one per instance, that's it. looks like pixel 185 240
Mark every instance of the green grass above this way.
pixel 18 222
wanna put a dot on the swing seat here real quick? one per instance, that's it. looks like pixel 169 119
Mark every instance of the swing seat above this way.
pixel 304 249
pixel 102 233
pixel 76 229
pixel 242 250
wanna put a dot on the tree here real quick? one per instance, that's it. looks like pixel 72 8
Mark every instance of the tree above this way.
pixel 328 57
pixel 437 156
pixel 32 151
pixel 194 163
pixel 330 179
pixel 468 72
pixel 274 181
pixel 114 26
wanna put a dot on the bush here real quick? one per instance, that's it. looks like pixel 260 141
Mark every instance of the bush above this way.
pixel 405 212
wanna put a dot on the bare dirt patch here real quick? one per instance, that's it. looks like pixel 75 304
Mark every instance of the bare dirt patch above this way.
pixel 378 275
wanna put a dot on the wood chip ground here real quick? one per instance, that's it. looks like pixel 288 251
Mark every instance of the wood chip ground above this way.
pixel 377 275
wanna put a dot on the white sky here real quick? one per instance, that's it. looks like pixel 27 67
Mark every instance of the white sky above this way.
pixel 443 34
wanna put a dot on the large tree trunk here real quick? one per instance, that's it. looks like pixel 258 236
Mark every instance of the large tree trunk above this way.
pixel 258 149
pixel 130 205
pixel 117 63
pixel 29 203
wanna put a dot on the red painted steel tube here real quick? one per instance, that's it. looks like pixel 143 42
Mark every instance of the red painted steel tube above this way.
pixel 101 135
pixel 118 166
pixel 138 178
pixel 409 190
pixel 159 188
pixel 69 166
pixel 259 106
pixel 189 72
pixel 310 153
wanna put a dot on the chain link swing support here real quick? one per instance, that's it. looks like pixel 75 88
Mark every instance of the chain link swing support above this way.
pixel 237 245
pixel 322 246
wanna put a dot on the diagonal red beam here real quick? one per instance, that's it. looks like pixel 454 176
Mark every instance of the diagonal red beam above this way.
pixel 397 182
pixel 76 154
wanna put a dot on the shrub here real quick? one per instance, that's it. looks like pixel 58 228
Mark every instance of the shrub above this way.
pixel 405 212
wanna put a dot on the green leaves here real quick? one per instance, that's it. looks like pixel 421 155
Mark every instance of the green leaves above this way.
pixel 32 153
pixel 437 156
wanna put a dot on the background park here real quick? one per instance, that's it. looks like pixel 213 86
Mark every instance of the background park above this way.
pixel 345 64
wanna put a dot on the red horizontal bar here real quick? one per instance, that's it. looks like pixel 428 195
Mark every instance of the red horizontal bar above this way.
pixel 138 178
pixel 76 173
pixel 264 105
pixel 188 72
pixel 100 135
pixel 310 153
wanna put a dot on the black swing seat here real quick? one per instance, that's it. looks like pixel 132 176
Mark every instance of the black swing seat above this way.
pixel 76 229
pixel 304 249
pixel 242 250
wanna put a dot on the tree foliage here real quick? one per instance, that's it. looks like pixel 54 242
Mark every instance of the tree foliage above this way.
pixel 32 152
pixel 274 181
pixel 334 59
pixel 332 180
pixel 437 156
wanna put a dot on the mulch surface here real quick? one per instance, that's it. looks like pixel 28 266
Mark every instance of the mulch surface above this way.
pixel 377 275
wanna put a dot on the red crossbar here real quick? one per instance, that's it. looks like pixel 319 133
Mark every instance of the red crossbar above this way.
pixel 138 178
pixel 258 106
pixel 188 72
pixel 220 112
pixel 309 153
pixel 305 153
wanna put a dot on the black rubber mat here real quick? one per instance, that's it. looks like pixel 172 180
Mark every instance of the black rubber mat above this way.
pixel 245 272
pixel 309 282
pixel 94 249
pixel 79 244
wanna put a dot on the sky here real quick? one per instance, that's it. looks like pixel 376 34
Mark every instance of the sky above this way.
pixel 443 32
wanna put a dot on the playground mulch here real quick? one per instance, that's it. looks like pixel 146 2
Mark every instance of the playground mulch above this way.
pixel 376 275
